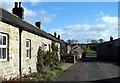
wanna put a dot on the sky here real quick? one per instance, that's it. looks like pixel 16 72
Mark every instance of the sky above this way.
pixel 82 21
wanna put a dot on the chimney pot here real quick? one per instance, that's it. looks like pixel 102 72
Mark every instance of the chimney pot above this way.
pixel 55 34
pixel 19 4
pixel 58 36
pixel 38 24
pixel 18 11
pixel 16 5
pixel 111 38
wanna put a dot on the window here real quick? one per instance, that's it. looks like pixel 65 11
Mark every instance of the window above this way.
pixel 28 48
pixel 3 47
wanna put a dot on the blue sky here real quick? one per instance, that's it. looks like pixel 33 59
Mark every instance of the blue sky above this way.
pixel 74 20
pixel 73 13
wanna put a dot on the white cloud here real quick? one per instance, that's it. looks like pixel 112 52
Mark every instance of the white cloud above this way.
pixel 43 11
pixel 109 20
pixel 108 25
pixel 12 0
pixel 62 0
pixel 46 19
pixel 35 2
pixel 102 14
pixel 45 16
pixel 29 12
pixel 82 32
pixel 7 6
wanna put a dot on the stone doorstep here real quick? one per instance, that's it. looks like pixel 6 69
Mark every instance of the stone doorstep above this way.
pixel 65 66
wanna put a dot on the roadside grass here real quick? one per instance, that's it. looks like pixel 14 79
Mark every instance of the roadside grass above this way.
pixel 90 52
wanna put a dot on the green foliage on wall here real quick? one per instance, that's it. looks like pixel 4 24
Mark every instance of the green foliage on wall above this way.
pixel 48 59
pixel 40 60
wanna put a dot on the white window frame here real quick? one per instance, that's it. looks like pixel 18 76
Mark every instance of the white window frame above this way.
pixel 4 46
pixel 28 48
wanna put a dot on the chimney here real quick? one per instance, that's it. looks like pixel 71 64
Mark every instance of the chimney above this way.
pixel 16 5
pixel 111 38
pixel 19 11
pixel 59 37
pixel 19 4
pixel 55 34
pixel 38 24
pixel 15 9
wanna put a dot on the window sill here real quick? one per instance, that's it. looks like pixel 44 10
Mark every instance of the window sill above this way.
pixel 27 58
pixel 2 60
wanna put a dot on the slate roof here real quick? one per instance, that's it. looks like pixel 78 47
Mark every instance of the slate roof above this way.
pixel 78 48
pixel 12 19
pixel 108 42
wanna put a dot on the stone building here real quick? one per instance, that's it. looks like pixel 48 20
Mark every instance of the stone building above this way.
pixel 78 51
pixel 109 50
pixel 19 43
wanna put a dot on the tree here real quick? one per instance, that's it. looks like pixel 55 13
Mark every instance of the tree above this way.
pixel 101 40
pixel 94 41
pixel 73 41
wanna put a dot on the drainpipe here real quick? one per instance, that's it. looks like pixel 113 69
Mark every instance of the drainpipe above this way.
pixel 20 72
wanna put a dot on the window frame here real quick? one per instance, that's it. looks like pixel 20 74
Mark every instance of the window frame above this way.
pixel 4 46
pixel 28 48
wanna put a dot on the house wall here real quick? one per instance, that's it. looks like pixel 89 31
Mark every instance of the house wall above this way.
pixel 102 52
pixel 36 42
pixel 63 49
pixel 11 67
pixel 106 52
pixel 68 49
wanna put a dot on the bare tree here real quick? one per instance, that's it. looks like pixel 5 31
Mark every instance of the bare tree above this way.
pixel 94 41
pixel 73 41
pixel 101 40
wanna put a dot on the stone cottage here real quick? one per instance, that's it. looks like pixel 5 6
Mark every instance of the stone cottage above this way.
pixel 19 43
pixel 109 50
pixel 78 51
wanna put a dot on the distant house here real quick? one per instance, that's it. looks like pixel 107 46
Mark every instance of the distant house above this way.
pixel 109 50
pixel 69 48
pixel 63 48
pixel 77 50
pixel 19 43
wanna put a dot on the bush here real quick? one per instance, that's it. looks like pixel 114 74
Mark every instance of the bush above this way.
pixel 40 60
pixel 48 59
pixel 48 64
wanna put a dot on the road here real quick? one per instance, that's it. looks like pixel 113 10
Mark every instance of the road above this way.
pixel 90 70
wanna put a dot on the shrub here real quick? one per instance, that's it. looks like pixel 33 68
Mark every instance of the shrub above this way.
pixel 40 60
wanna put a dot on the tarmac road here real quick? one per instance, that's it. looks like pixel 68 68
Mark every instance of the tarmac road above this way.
pixel 91 70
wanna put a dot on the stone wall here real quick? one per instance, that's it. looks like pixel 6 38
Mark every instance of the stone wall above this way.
pixel 36 42
pixel 11 67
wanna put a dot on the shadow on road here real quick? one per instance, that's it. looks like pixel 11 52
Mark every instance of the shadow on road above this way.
pixel 109 80
pixel 90 59
pixel 95 59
